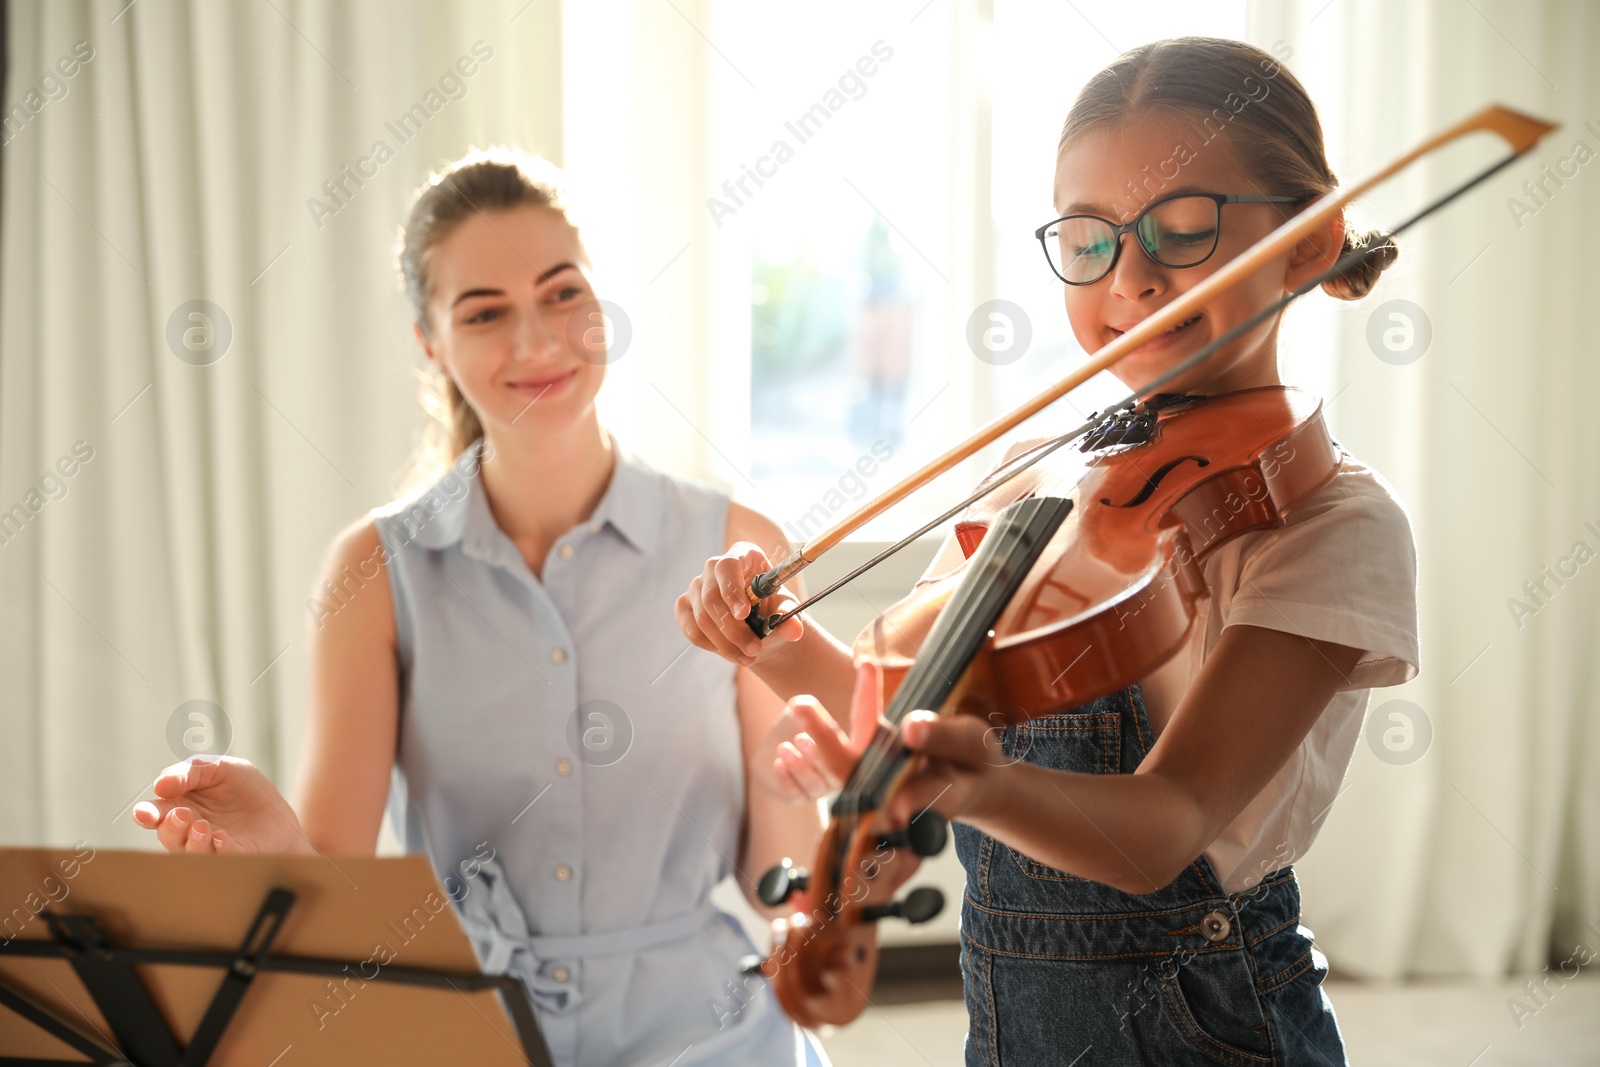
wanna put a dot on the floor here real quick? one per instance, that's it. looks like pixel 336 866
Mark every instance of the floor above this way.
pixel 1422 1025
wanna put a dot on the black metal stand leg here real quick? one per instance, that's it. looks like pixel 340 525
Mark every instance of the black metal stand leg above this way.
pixel 56 1028
pixel 252 953
pixel 515 998
pixel 117 991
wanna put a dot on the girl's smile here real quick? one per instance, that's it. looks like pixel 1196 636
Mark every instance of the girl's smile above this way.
pixel 1190 330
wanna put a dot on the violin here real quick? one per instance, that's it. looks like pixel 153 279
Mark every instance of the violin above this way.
pixel 1069 592
pixel 1076 584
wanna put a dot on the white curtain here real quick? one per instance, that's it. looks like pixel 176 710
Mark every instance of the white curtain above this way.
pixel 1483 855
pixel 182 159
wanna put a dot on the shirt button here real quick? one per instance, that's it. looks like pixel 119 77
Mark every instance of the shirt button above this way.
pixel 563 767
pixel 1215 926
pixel 566 551
pixel 560 973
pixel 558 655
pixel 563 873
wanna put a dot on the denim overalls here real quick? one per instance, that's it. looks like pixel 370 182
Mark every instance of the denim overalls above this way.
pixel 1061 970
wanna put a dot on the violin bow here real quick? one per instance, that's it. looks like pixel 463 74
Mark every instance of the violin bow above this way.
pixel 1521 132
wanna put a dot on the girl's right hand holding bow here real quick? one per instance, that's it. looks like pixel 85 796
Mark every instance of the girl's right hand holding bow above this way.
pixel 712 612
pixel 809 752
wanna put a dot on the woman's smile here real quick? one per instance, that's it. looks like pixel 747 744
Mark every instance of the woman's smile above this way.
pixel 549 383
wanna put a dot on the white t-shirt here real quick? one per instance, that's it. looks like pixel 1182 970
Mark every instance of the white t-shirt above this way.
pixel 1342 568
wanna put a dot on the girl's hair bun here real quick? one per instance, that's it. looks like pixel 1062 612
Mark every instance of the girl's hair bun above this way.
pixel 1373 252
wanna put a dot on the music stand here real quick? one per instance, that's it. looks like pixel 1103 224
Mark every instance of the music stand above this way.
pixel 170 960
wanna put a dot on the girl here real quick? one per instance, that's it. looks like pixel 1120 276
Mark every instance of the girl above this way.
pixel 517 665
pixel 1152 915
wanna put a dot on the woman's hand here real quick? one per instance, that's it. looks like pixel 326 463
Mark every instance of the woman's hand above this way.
pixel 819 756
pixel 712 612
pixel 220 804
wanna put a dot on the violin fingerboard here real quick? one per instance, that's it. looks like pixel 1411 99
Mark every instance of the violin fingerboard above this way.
pixel 993 575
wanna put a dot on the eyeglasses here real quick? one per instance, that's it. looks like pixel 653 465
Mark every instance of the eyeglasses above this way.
pixel 1180 231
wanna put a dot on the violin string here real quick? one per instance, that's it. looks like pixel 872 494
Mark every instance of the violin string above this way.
pixel 885 747
pixel 882 747
pixel 883 744
pixel 976 598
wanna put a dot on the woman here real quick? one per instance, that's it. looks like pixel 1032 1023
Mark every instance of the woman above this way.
pixel 553 736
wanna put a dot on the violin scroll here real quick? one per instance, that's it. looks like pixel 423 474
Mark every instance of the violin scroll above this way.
pixel 824 956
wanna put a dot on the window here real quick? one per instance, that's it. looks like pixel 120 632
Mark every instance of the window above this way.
pixel 906 201
pixel 837 178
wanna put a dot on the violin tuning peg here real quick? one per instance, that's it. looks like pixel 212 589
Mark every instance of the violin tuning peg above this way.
pixel 922 904
pixel 779 882
pixel 919 906
pixel 751 965
pixel 925 835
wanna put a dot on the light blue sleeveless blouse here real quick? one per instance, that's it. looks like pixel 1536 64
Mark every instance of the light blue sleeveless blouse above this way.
pixel 572 766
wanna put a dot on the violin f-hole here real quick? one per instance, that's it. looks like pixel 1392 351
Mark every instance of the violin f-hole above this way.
pixel 1153 480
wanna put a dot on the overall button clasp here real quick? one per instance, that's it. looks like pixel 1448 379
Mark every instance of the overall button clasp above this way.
pixel 1215 926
